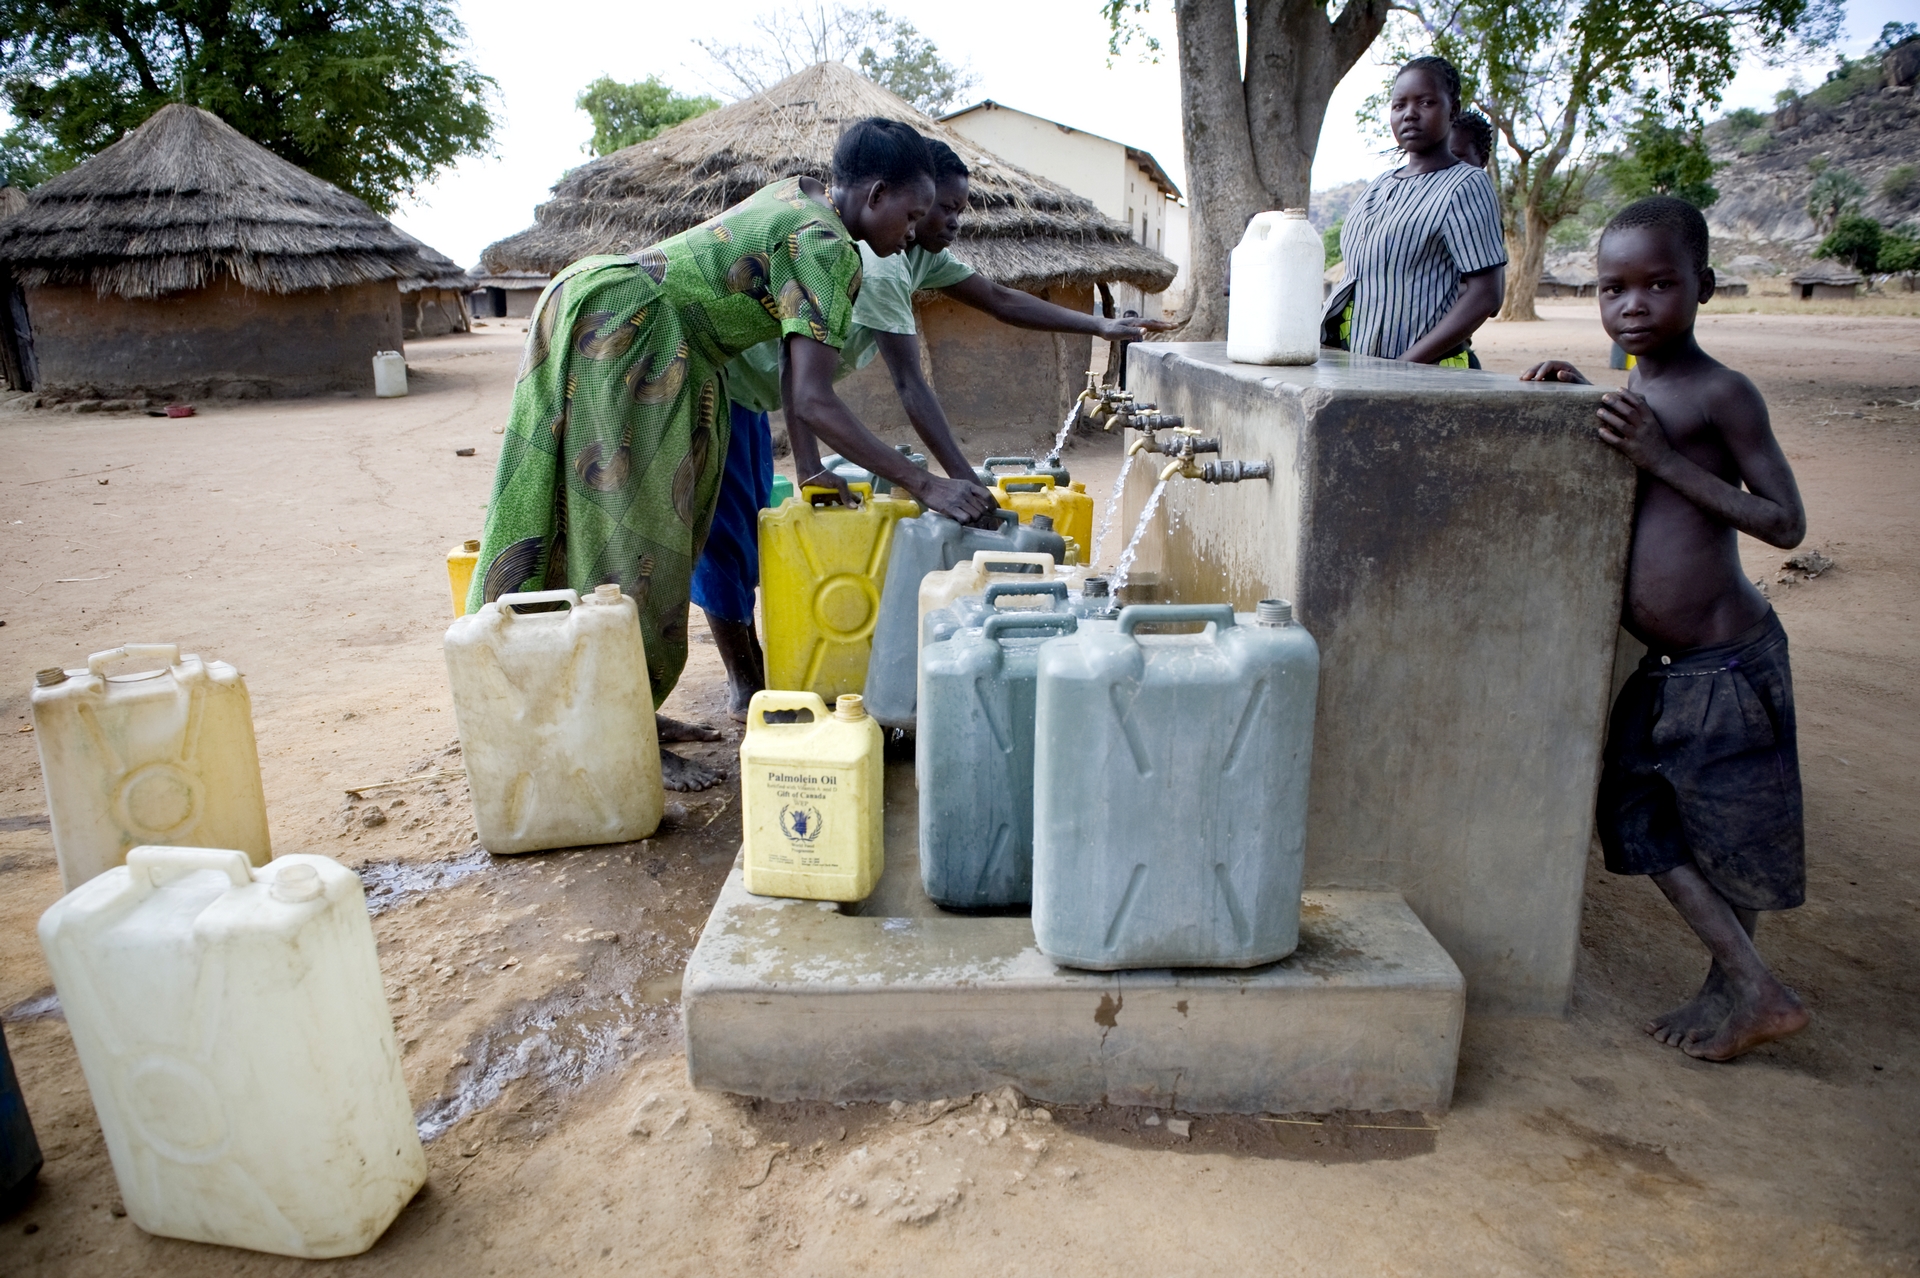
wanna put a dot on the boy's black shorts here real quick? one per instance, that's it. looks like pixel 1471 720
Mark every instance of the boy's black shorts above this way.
pixel 1702 767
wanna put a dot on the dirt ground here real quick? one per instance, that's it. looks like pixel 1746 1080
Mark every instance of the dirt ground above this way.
pixel 536 998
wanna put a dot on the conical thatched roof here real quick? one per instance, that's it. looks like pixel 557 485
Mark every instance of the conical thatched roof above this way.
pixel 185 199
pixel 1021 229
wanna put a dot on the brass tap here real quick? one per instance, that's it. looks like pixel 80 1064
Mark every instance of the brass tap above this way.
pixel 1217 472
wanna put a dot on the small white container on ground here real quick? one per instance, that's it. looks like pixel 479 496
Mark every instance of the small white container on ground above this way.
pixel 147 746
pixel 233 1029
pixel 1273 313
pixel 555 716
pixel 389 374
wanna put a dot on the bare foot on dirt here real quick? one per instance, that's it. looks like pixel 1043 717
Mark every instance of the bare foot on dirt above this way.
pixel 676 730
pixel 1777 1014
pixel 679 773
pixel 1698 1017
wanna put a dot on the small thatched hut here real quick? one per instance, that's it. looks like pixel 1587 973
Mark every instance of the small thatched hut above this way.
pixel 1023 231
pixel 186 259
pixel 1821 283
pixel 433 300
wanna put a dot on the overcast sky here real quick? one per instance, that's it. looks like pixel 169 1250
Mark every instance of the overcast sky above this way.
pixel 1044 56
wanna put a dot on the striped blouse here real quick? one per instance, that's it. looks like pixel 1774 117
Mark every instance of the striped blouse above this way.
pixel 1407 242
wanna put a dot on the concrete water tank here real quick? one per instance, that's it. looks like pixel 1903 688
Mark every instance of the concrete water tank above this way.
pixel 1457 542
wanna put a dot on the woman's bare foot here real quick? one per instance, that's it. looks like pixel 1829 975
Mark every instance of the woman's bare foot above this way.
pixel 1698 1017
pixel 675 730
pixel 680 773
pixel 1778 1013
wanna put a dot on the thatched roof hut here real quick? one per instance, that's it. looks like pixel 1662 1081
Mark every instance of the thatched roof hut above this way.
pixel 187 229
pixel 1021 229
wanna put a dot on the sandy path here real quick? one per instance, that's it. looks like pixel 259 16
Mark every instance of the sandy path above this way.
pixel 535 998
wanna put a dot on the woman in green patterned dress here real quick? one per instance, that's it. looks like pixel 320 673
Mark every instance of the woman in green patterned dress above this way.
pixel 614 449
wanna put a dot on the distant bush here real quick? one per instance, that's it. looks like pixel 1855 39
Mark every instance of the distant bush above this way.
pixel 1855 241
pixel 1746 120
pixel 1834 194
pixel 1900 182
pixel 1899 250
pixel 1848 80
pixel 1756 143
pixel 1330 240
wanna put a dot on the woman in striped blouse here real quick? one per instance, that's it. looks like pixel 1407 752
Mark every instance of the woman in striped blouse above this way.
pixel 1423 244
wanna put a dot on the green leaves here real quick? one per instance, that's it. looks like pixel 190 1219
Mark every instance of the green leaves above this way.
pixel 371 95
pixel 624 114
pixel 1662 159
pixel 1856 241
pixel 1834 194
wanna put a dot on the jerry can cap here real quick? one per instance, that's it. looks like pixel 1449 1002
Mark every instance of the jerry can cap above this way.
pixel 850 706
pixel 49 677
pixel 471 545
pixel 1273 612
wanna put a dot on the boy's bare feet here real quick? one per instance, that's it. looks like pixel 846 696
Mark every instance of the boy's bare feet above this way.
pixel 1774 1015
pixel 671 730
pixel 680 773
pixel 1698 1017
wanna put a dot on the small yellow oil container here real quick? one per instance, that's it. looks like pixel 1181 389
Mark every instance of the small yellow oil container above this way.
pixel 1070 507
pixel 821 570
pixel 461 560
pixel 811 785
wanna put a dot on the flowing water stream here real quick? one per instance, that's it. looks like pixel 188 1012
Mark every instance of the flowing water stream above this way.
pixel 1112 511
pixel 1125 566
pixel 1060 440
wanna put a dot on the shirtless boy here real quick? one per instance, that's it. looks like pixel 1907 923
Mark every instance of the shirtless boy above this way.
pixel 1701 783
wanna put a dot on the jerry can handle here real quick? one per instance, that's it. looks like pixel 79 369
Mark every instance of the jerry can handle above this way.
pixel 773 700
pixel 985 559
pixel 167 653
pixel 1011 518
pixel 1219 615
pixel 820 495
pixel 155 866
pixel 509 603
pixel 1001 589
pixel 1062 622
pixel 1028 483
pixel 991 462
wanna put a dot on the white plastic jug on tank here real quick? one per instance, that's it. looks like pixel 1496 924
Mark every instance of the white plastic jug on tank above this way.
pixel 1273 313
pixel 147 746
pixel 555 716
pixel 233 1029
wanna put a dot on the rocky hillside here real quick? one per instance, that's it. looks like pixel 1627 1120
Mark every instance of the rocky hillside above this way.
pixel 1769 166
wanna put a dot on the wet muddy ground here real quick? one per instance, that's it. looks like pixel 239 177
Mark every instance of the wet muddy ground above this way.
pixel 535 998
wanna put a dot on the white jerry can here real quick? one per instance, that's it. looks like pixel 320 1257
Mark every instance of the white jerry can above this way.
pixel 1279 270
pixel 233 1029
pixel 555 716
pixel 147 746
pixel 1170 789
pixel 389 374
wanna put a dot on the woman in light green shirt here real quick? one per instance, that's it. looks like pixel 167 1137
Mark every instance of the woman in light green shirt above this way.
pixel 882 321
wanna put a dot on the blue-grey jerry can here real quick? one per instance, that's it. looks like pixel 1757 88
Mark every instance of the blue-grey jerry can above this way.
pixel 1170 789
pixel 973 763
pixel 930 543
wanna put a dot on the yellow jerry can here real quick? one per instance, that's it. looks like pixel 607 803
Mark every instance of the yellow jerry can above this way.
pixel 811 786
pixel 461 560
pixel 822 565
pixel 1070 507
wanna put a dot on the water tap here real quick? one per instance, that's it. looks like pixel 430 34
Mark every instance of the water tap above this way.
pixel 1185 443
pixel 1217 472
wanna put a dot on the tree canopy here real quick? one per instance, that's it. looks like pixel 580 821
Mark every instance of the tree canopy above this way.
pixel 889 51
pixel 1662 159
pixel 372 95
pixel 624 114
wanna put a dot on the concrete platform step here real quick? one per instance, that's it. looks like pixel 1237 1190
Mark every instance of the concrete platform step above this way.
pixel 798 1000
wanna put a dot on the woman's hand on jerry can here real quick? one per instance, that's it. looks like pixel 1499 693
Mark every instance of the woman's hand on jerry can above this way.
pixel 957 499
pixel 824 478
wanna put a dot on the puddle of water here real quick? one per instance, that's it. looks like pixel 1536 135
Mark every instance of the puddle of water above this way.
pixel 41 1005
pixel 391 884
pixel 561 1043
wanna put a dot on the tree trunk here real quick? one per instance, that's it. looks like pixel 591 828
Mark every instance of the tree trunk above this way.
pixel 1250 142
pixel 1526 254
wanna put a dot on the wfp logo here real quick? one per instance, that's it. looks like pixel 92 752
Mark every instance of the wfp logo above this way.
pixel 802 825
